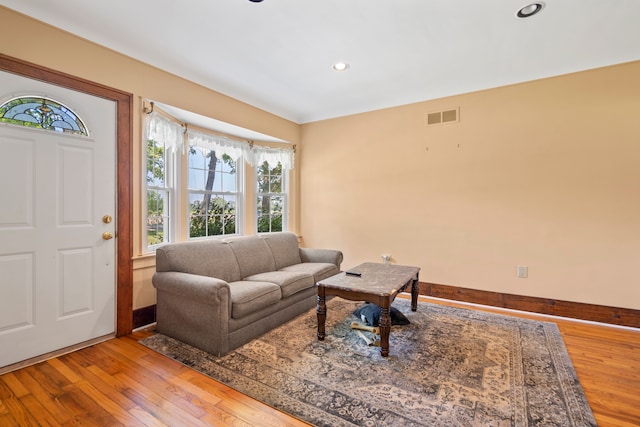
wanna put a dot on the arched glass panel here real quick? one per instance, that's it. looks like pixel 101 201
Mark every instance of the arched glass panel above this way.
pixel 42 113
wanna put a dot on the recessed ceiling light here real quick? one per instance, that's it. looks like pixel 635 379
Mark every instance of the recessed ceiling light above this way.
pixel 530 10
pixel 340 66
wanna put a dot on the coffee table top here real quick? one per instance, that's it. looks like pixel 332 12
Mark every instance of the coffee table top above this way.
pixel 376 278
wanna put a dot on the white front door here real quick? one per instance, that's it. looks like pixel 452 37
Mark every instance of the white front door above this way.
pixel 57 271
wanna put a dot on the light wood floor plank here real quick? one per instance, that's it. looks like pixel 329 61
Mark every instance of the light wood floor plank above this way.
pixel 147 418
pixel 245 408
pixel 38 412
pixel 56 411
pixel 119 413
pixel 12 410
pixel 102 382
pixel 16 387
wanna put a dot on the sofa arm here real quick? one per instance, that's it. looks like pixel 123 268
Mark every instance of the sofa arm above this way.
pixel 193 309
pixel 321 255
pixel 191 286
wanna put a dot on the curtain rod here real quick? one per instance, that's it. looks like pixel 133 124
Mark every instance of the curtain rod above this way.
pixel 153 108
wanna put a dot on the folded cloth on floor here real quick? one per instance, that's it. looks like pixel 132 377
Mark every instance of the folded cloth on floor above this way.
pixel 370 313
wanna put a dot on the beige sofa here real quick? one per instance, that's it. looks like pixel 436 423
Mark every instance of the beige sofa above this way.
pixel 219 294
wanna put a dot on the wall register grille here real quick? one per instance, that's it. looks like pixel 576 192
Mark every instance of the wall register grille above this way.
pixel 442 117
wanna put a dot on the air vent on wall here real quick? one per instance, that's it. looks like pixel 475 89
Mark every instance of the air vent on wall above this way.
pixel 441 117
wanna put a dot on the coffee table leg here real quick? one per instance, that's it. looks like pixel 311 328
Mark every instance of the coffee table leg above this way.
pixel 321 311
pixel 385 330
pixel 414 294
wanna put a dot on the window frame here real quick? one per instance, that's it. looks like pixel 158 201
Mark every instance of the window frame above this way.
pixel 171 173
pixel 239 195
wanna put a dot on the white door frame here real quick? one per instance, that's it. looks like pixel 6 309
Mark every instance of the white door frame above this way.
pixel 124 174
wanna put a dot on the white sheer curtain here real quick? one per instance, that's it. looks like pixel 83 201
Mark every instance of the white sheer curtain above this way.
pixel 164 130
pixel 220 144
pixel 171 133
pixel 273 156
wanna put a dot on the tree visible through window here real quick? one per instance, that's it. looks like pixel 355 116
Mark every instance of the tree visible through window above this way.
pixel 271 198
pixel 213 194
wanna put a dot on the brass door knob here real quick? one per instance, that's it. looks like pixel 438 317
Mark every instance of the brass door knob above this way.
pixel 107 235
pixel 107 219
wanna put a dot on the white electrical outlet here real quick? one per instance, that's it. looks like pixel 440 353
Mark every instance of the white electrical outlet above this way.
pixel 523 271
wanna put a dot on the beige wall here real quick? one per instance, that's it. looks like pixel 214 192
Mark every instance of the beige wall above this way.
pixel 46 46
pixel 544 174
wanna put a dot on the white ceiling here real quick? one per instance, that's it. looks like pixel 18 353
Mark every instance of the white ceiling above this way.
pixel 277 55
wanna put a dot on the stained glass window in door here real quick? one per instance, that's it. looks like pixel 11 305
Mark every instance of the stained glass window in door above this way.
pixel 42 113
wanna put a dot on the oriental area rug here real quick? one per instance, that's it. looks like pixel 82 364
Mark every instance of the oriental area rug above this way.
pixel 448 367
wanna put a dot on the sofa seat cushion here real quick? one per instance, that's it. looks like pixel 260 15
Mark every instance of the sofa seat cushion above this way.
pixel 319 270
pixel 290 282
pixel 250 296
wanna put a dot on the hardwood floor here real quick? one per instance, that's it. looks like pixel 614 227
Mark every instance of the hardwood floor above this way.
pixel 120 382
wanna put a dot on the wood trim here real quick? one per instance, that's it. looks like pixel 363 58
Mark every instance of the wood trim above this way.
pixel 144 316
pixel 124 231
pixel 575 310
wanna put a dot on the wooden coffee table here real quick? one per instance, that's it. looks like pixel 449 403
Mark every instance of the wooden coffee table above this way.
pixel 378 284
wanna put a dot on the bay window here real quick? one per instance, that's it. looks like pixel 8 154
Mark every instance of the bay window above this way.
pixel 194 184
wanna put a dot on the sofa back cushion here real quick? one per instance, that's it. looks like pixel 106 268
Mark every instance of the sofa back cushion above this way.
pixel 252 254
pixel 285 249
pixel 213 258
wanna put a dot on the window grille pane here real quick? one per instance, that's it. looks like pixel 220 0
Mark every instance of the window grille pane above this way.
pixel 264 225
pixel 275 184
pixel 157 206
pixel 212 215
pixel 276 223
pixel 217 184
pixel 269 223
pixel 209 173
pixel 214 225
pixel 229 214
pixel 227 166
pixel 197 169
pixel 156 162
pixel 262 205
pixel 42 113
pixel 230 224
pixel 277 203
pixel 263 184
pixel 197 216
